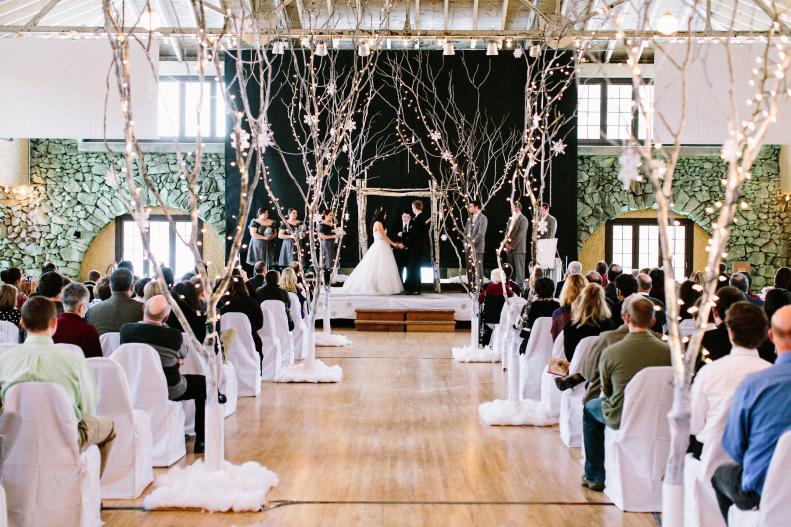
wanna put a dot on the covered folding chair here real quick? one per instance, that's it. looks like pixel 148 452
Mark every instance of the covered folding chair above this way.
pixel 149 391
pixel 128 471
pixel 109 342
pixel 272 360
pixel 775 508
pixel 242 354
pixel 299 325
pixel 535 358
pixel 277 309
pixel 571 400
pixel 636 454
pixel 46 479
pixel 9 332
pixel 550 395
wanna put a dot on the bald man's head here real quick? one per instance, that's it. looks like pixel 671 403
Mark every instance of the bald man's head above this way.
pixel 780 332
pixel 156 309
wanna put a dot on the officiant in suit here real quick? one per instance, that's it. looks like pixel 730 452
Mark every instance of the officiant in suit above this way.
pixel 476 232
pixel 401 228
pixel 517 245
pixel 416 242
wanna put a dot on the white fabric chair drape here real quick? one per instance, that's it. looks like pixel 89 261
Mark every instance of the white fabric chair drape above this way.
pixel 242 354
pixel 277 309
pixel 299 325
pixel 128 471
pixel 571 400
pixel 636 454
pixel 535 358
pixel 149 391
pixel 272 360
pixel 109 342
pixel 46 479
pixel 9 332
pixel 3 509
pixel 550 395
pixel 775 508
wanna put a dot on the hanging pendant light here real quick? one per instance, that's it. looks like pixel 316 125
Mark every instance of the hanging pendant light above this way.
pixel 491 48
pixel 667 24
pixel 321 49
pixel 278 47
pixel 448 49
pixel 363 49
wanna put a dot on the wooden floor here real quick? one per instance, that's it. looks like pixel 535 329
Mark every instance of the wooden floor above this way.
pixel 398 442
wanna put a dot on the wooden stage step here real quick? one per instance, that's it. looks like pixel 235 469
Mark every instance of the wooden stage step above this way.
pixel 426 320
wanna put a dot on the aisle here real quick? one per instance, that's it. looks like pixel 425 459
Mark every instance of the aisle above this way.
pixel 398 443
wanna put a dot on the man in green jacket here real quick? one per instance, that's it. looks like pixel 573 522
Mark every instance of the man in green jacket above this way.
pixel 618 364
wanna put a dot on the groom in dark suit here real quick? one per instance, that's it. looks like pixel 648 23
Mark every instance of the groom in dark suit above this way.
pixel 401 228
pixel 416 241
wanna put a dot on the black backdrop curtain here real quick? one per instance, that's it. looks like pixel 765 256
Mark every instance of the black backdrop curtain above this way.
pixel 503 96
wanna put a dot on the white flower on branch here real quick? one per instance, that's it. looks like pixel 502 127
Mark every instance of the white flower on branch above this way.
pixel 350 125
pixel 344 149
pixel 447 156
pixel 244 137
pixel 435 136
pixel 311 120
pixel 332 132
pixel 327 155
pixel 266 136
pixel 542 226
pixel 629 167
pixel 535 121
pixel 331 88
pixel 730 151
pixel 518 52
pixel 444 237
pixel 558 147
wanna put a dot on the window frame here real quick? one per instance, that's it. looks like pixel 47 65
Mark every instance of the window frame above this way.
pixel 635 223
pixel 172 242
pixel 604 83
pixel 182 81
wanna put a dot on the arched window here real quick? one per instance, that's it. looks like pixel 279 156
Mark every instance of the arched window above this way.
pixel 634 244
pixel 162 240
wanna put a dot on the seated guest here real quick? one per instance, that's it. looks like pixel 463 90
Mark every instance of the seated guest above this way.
pixel 609 289
pixel 72 328
pixel 13 276
pixel 90 283
pixel 715 383
pixel 238 300
pixel 258 280
pixel 657 284
pixel 39 359
pixel 140 287
pixel 288 281
pixel 594 277
pixel 167 341
pixel 49 267
pixel 618 364
pixel 8 310
pixel 783 278
pixel 625 286
pixel 759 415
pixel 491 301
pixel 699 278
pixel 689 292
pixel 109 315
pixel 741 282
pixel 509 273
pixel 644 286
pixel 775 299
pixel 188 299
pixel 589 317
pixel 101 291
pixel 272 291
pixel 601 268
pixel 50 286
pixel 168 276
pixel 716 341
pixel 574 267
pixel 573 286
pixel 543 305
pixel 126 264
pixel 152 289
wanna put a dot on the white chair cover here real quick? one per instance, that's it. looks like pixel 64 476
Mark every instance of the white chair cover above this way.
pixel 504 333
pixel 636 454
pixel 3 509
pixel 299 325
pixel 775 508
pixel 571 400
pixel 550 395
pixel 242 354
pixel 109 342
pixel 128 471
pixel 272 360
pixel 149 392
pixel 231 388
pixel 535 359
pixel 9 332
pixel 277 309
pixel 46 479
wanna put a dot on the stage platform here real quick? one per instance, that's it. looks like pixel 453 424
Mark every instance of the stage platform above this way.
pixel 346 306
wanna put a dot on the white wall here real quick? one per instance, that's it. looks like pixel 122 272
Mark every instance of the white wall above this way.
pixel 56 88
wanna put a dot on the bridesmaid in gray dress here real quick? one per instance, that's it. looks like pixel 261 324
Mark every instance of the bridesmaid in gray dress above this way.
pixel 262 239
pixel 289 234
pixel 329 242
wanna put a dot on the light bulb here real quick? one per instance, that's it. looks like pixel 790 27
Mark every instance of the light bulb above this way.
pixel 448 49
pixel 363 49
pixel 491 48
pixel 321 49
pixel 667 24
pixel 278 47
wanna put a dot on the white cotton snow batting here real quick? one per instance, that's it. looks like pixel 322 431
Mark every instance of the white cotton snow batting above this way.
pixel 470 354
pixel 234 488
pixel 319 372
pixel 504 412
pixel 331 340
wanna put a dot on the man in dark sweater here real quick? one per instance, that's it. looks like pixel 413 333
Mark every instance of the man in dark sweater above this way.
pixel 609 290
pixel 258 280
pixel 167 341
pixel 716 341
pixel 272 291
pixel 619 363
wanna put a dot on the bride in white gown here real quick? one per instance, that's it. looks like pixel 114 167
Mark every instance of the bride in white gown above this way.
pixel 377 273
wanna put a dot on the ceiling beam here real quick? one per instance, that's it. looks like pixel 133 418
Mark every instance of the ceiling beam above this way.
pixel 772 13
pixel 474 14
pixel 504 16
pixel 167 19
pixel 445 7
pixel 42 13
pixel 417 16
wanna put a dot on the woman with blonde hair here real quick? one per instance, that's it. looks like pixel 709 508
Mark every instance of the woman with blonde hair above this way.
pixel 572 287
pixel 589 317
pixel 152 289
pixel 289 282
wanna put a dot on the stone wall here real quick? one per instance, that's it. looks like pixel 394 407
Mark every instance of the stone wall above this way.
pixel 760 236
pixel 69 202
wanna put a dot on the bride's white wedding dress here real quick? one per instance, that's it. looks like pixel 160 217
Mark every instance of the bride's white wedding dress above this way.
pixel 377 272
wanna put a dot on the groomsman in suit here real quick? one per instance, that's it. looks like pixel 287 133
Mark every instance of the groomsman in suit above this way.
pixel 518 243
pixel 401 229
pixel 476 231
pixel 546 224
pixel 416 241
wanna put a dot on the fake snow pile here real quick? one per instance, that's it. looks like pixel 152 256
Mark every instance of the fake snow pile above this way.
pixel 471 354
pixel 331 340
pixel 317 372
pixel 525 412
